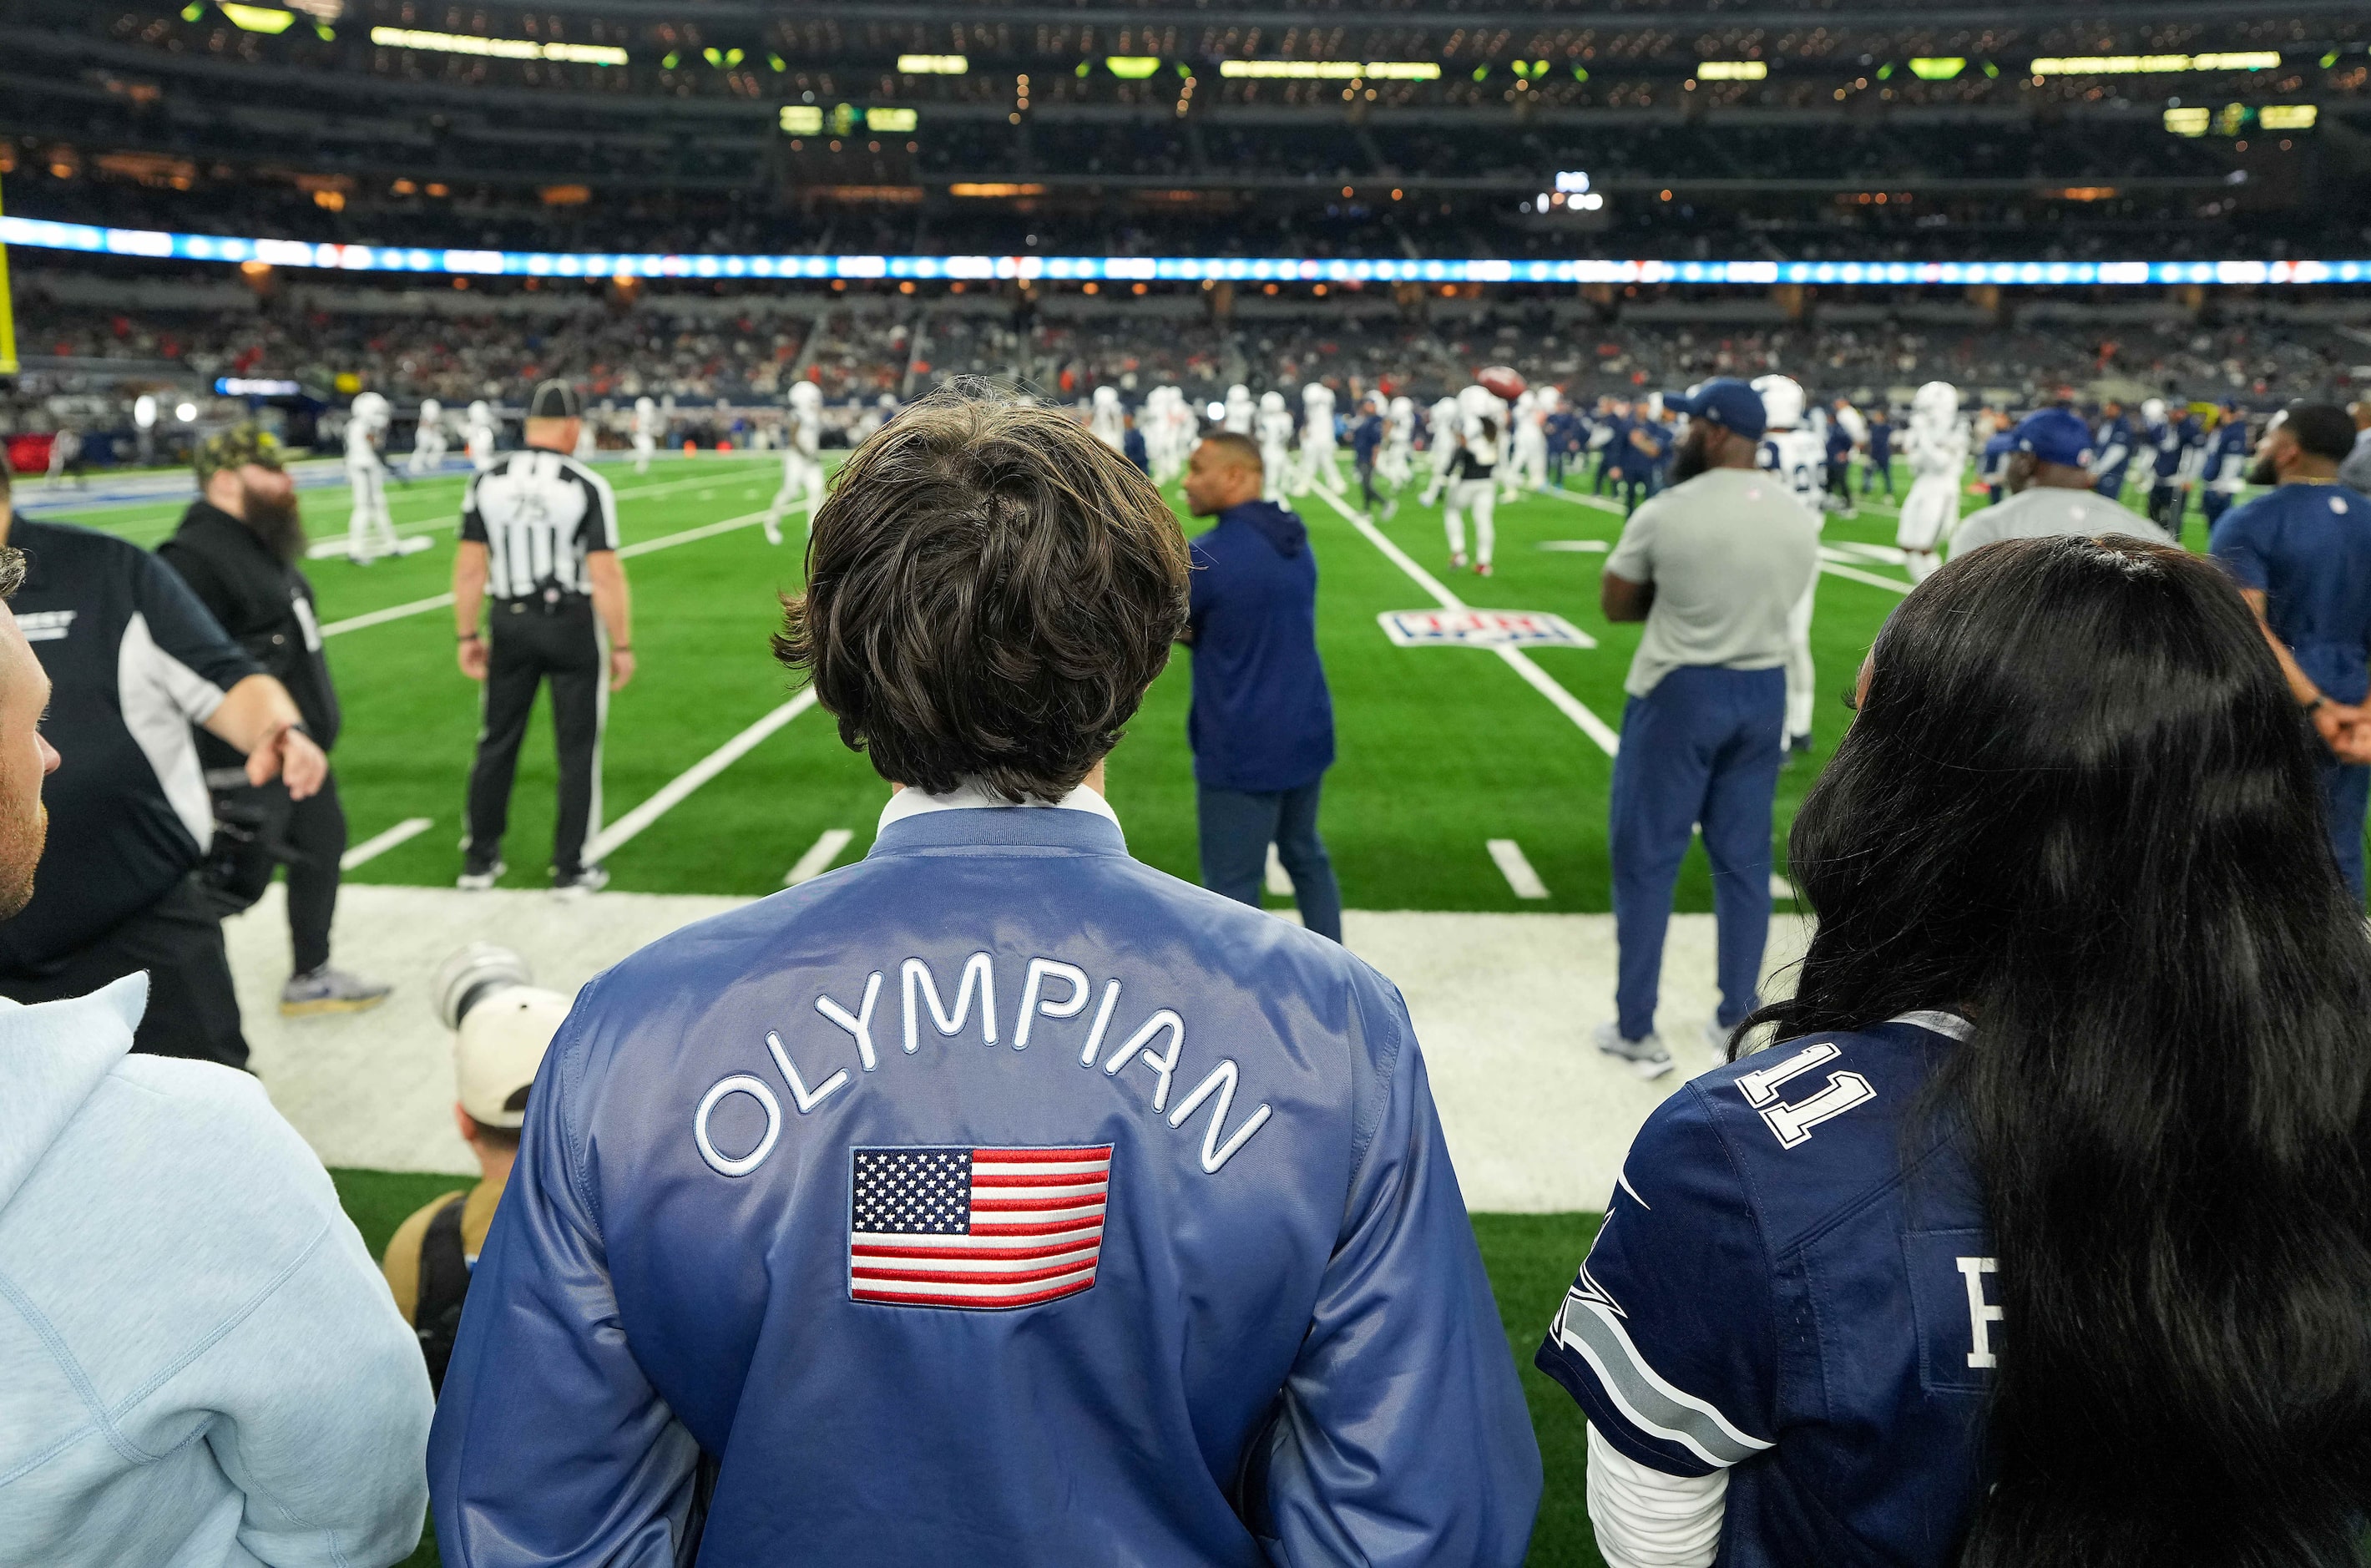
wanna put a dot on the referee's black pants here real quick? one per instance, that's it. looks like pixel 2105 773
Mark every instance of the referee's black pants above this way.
pixel 192 1009
pixel 528 644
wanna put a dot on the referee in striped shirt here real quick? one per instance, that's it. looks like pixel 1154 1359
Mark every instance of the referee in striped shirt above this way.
pixel 539 560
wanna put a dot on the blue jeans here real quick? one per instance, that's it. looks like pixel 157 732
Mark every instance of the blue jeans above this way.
pixel 1238 826
pixel 2346 791
pixel 1704 746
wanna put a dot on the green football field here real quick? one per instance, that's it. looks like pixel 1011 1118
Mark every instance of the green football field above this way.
pixel 1441 750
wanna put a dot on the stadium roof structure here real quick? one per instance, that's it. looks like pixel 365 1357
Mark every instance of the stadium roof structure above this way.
pixel 154 244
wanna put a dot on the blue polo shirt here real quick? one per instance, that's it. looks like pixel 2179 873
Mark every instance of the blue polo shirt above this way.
pixel 1262 718
pixel 2308 549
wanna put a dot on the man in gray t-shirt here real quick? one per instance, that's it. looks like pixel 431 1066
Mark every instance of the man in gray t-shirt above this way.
pixel 2051 490
pixel 1712 565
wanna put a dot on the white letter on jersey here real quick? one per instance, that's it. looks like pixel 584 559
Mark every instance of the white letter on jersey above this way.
pixel 861 1026
pixel 1033 1003
pixel 823 1091
pixel 738 1084
pixel 1102 1022
pixel 1163 1066
pixel 1982 1314
pixel 1221 1082
pixel 1793 1123
pixel 978 970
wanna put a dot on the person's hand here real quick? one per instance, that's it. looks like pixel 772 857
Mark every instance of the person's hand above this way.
pixel 2345 730
pixel 622 667
pixel 288 754
pixel 470 654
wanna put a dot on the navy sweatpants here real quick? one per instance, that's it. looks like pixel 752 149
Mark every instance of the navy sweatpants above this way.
pixel 1704 746
pixel 2345 794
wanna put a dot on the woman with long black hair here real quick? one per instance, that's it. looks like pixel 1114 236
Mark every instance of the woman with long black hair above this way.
pixel 2042 1237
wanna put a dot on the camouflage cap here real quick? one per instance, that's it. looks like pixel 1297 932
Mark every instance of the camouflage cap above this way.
pixel 236 447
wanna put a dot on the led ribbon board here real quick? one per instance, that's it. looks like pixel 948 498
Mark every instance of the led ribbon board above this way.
pixel 44 234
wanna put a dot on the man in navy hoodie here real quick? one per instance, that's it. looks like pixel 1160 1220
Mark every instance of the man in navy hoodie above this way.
pixel 996 1200
pixel 1262 726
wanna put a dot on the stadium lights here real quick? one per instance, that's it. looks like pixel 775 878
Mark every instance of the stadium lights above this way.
pixel 933 65
pixel 264 19
pixel 1732 70
pixel 41 234
pixel 1333 70
pixel 2287 116
pixel 1937 68
pixel 1131 67
pixel 2154 64
pixel 2189 121
pixel 497 48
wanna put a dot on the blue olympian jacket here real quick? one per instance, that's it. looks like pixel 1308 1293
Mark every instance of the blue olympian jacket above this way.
pixel 1795 1286
pixel 995 1200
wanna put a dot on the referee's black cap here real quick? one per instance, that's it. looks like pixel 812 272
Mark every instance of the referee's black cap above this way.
pixel 556 399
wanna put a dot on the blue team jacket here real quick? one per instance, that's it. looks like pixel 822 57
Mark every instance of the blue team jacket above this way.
pixel 1257 1328
pixel 1795 1284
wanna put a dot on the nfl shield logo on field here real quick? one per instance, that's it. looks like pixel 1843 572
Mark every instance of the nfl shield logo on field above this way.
pixel 974 1228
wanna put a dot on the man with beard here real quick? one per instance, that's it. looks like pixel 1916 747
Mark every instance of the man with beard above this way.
pixel 1713 565
pixel 134 661
pixel 2302 557
pixel 238 549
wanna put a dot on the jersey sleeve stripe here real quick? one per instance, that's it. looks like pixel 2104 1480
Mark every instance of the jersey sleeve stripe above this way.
pixel 1654 1406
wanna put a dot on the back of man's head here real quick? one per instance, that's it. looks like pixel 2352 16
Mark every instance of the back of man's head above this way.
pixel 2320 430
pixel 989 591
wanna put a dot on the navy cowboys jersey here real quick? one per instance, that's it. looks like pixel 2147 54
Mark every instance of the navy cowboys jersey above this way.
pixel 1794 1284
pixel 1797 457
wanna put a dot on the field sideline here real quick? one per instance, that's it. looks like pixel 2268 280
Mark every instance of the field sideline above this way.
pixel 1441 751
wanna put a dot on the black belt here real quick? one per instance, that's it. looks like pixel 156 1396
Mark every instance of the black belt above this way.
pixel 550 599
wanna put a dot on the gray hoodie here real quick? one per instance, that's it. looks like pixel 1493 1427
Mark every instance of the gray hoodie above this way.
pixel 199 1364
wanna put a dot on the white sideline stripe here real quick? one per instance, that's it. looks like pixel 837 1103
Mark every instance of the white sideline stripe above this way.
pixel 1540 680
pixel 1277 882
pixel 818 857
pixel 1857 575
pixel 672 793
pixel 1516 869
pixel 1599 502
pixel 665 541
pixel 1575 546
pixel 372 848
pixel 1781 890
pixel 1883 555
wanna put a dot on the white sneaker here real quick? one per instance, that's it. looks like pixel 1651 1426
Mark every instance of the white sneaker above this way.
pixel 1716 1039
pixel 773 532
pixel 480 881
pixel 592 879
pixel 1646 1057
pixel 1457 561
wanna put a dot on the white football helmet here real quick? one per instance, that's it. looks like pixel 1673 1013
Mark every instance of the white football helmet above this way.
pixel 1473 400
pixel 1403 407
pixel 370 409
pixel 644 405
pixel 2153 411
pixel 1271 402
pixel 1783 400
pixel 431 410
pixel 1937 402
pixel 1316 393
pixel 481 413
pixel 1525 401
pixel 806 396
pixel 1106 397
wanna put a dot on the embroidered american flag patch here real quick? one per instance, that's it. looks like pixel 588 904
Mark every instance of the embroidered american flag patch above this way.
pixel 983 1229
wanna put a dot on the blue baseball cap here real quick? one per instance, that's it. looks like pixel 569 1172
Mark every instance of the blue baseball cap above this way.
pixel 1727 401
pixel 2054 435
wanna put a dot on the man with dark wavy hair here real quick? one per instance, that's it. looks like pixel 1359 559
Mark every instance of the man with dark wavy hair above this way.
pixel 997 1199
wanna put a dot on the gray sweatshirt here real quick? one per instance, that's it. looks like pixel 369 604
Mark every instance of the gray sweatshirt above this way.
pixel 199 1364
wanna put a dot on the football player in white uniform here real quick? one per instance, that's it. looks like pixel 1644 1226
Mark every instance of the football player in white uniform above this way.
pixel 1530 468
pixel 1396 463
pixel 1800 459
pixel 646 433
pixel 1109 421
pixel 1442 434
pixel 370 532
pixel 1239 419
pixel 1317 441
pixel 477 436
pixel 1274 436
pixel 1938 452
pixel 801 459
pixel 428 443
pixel 1480 422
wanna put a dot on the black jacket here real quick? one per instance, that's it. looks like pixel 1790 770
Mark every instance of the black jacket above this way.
pixel 266 605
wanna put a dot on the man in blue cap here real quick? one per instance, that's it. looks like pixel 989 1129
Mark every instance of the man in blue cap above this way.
pixel 2050 484
pixel 1712 565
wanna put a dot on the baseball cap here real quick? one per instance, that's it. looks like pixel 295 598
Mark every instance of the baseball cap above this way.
pixel 235 447
pixel 1727 401
pixel 2054 436
pixel 556 399
pixel 498 1047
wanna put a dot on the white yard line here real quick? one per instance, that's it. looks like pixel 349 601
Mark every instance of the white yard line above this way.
pixel 328 548
pixel 1596 729
pixel 1835 569
pixel 1599 502
pixel 674 792
pixel 1277 882
pixel 818 857
pixel 1781 890
pixel 1516 869
pixel 1883 555
pixel 1575 546
pixel 665 541
pixel 372 848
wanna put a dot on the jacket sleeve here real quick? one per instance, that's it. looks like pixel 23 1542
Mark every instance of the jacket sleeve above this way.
pixel 1401 1435
pixel 321 1404
pixel 550 1446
